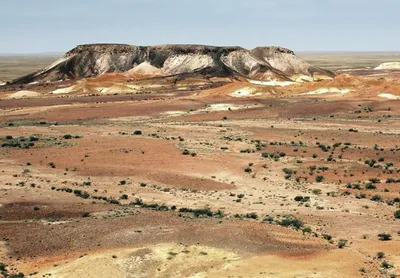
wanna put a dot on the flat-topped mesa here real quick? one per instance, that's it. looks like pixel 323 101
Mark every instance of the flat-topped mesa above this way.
pixel 261 63
pixel 119 48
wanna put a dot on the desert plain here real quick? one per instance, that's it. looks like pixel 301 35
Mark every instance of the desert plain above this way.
pixel 195 175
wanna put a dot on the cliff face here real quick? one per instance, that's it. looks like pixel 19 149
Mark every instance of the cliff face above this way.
pixel 262 63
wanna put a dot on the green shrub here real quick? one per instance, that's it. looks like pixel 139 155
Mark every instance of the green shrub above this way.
pixel 3 267
pixel 370 186
pixel 299 198
pixel 114 202
pixel 316 191
pixel 385 236
pixel 288 171
pixel 198 212
pixel 81 194
pixel 326 236
pixel 247 151
pixel 342 243
pixel 386 265
pixel 374 180
pixel 376 198
pixel 291 222
pixel 251 215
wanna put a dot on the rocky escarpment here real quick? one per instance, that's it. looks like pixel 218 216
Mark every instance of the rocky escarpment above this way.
pixel 286 61
pixel 262 63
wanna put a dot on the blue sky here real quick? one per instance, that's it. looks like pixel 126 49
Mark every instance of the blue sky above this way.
pixel 37 26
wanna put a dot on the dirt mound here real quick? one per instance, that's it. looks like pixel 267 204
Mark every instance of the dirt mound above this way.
pixel 23 94
pixel 145 68
pixel 263 63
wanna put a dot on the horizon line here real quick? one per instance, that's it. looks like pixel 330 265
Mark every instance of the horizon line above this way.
pixel 296 51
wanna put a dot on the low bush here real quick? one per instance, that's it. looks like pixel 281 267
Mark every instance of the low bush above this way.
pixel 291 222
pixel 385 237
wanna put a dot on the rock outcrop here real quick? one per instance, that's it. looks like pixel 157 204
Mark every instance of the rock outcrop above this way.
pixel 389 66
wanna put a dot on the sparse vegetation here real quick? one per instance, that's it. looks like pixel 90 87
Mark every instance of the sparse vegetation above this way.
pixel 342 243
pixel 291 222
pixel 385 236
pixel 292 172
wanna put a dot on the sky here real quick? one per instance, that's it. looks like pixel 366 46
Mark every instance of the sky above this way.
pixel 41 26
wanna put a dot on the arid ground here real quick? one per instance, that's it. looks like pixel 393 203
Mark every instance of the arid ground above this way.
pixel 201 177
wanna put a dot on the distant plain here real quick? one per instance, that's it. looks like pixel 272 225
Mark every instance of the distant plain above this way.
pixel 349 60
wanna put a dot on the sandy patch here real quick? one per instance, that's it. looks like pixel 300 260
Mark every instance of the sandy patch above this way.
pixel 222 107
pixel 209 108
pixel 147 86
pixel 272 83
pixel 23 94
pixel 245 92
pixel 389 96
pixel 321 77
pixel 328 90
pixel 302 78
pixel 164 260
pixel 63 90
pixel 174 113
pixel 336 263
pixel 118 89
pixel 101 89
